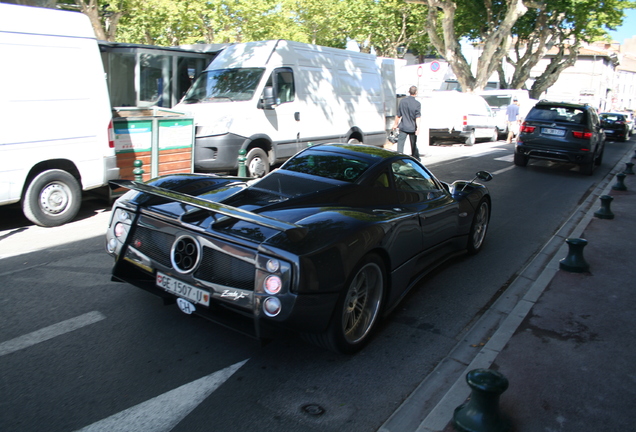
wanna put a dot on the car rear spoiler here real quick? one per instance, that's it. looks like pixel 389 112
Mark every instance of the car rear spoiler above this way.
pixel 293 231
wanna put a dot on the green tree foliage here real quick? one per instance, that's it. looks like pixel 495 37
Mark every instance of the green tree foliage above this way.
pixel 385 25
pixel 381 25
pixel 561 26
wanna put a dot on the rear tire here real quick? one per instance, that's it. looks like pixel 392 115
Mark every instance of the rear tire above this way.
pixel 52 198
pixel 495 135
pixel 358 309
pixel 520 159
pixel 470 139
pixel 587 168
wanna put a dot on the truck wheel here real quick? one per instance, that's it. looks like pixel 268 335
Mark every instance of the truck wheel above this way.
pixel 52 198
pixel 495 135
pixel 256 163
pixel 470 139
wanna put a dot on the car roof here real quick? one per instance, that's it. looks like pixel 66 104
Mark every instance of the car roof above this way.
pixel 563 104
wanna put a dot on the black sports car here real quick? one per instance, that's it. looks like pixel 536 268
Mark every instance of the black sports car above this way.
pixel 324 245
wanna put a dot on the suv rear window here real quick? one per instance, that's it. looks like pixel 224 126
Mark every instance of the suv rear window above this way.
pixel 557 113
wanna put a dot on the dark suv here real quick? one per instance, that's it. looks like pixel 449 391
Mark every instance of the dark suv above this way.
pixel 562 132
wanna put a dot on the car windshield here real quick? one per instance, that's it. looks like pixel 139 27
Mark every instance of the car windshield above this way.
pixel 497 101
pixel 224 85
pixel 557 113
pixel 328 165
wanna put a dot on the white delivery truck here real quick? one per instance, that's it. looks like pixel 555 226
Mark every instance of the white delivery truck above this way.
pixel 499 101
pixel 55 115
pixel 452 115
pixel 272 98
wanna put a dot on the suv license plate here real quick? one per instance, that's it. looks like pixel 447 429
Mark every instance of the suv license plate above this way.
pixel 182 289
pixel 555 132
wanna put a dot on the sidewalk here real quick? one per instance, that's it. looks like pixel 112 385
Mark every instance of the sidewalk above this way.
pixel 565 341
pixel 570 364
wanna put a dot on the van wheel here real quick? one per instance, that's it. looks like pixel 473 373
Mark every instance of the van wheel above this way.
pixel 354 141
pixel 52 198
pixel 470 139
pixel 256 163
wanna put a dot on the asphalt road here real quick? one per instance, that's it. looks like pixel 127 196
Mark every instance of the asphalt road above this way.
pixel 78 351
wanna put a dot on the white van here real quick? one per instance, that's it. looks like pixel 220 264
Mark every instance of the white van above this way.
pixel 55 113
pixel 273 98
pixel 452 115
pixel 499 101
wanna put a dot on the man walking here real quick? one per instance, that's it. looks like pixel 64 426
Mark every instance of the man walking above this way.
pixel 408 118
pixel 513 120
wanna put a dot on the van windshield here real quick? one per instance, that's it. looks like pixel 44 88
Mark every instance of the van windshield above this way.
pixel 224 85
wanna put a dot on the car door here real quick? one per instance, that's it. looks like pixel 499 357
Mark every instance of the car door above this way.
pixel 284 119
pixel 437 211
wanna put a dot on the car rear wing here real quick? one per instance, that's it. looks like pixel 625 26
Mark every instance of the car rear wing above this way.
pixel 293 231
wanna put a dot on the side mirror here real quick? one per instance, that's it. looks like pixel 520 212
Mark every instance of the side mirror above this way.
pixel 268 98
pixel 484 176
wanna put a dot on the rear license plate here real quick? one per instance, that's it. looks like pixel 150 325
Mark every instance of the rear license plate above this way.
pixel 608 131
pixel 555 132
pixel 182 289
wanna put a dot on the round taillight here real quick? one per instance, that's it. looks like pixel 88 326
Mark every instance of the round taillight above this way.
pixel 271 306
pixel 273 284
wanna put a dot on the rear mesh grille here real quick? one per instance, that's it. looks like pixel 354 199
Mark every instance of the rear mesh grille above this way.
pixel 223 269
pixel 154 244
pixel 215 266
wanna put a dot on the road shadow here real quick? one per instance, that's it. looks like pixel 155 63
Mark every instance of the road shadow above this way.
pixel 12 219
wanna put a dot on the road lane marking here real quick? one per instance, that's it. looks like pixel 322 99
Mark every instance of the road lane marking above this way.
pixel 163 413
pixel 50 332
pixel 511 167
pixel 507 158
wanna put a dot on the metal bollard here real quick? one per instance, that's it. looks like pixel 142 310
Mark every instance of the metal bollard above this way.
pixel 138 171
pixel 629 168
pixel 481 413
pixel 241 163
pixel 605 212
pixel 620 182
pixel 575 262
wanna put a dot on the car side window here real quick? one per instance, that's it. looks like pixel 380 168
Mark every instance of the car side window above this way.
pixel 381 181
pixel 409 176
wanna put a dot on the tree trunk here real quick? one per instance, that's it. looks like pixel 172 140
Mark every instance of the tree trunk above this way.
pixel 551 74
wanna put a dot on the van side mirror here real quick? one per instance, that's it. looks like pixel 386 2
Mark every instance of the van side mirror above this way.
pixel 268 98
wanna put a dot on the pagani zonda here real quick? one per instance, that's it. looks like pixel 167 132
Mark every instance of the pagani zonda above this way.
pixel 324 245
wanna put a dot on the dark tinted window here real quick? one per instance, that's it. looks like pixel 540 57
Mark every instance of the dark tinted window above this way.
pixel 328 165
pixel 224 84
pixel 612 117
pixel 557 113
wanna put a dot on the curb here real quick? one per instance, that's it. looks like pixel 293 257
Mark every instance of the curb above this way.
pixel 430 407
